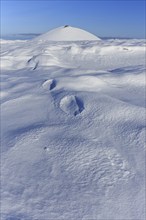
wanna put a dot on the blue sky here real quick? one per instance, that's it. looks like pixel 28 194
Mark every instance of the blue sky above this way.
pixel 105 18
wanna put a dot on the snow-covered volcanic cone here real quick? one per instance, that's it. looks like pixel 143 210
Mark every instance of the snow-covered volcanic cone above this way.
pixel 67 33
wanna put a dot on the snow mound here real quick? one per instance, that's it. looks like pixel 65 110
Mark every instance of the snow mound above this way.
pixel 67 33
pixel 71 105
pixel 49 84
pixel 82 83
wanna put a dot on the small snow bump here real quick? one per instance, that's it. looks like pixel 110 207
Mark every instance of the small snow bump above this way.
pixel 46 149
pixel 71 105
pixel 49 84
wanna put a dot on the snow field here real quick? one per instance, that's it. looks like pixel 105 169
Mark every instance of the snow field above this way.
pixel 73 126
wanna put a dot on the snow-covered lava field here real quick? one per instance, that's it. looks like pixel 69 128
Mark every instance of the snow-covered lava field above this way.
pixel 72 128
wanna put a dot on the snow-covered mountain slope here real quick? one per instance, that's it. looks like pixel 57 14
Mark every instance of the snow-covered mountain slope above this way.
pixel 73 127
pixel 67 33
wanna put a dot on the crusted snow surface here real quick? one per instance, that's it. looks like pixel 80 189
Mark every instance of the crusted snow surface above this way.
pixel 72 130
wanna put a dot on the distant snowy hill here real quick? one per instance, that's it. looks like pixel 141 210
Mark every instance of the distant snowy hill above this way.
pixel 72 128
pixel 67 33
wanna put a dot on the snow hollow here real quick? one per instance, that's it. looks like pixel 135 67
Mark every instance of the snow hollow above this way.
pixel 73 126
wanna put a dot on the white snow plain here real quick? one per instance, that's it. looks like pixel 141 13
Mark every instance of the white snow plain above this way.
pixel 73 126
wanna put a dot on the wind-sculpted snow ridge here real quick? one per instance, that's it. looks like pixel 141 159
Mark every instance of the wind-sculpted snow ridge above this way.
pixel 73 129
pixel 101 55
